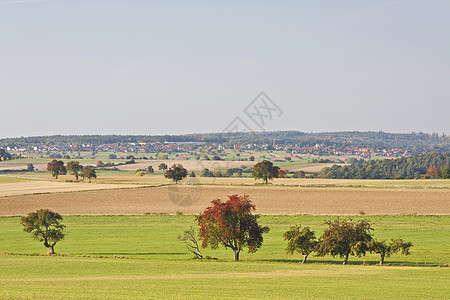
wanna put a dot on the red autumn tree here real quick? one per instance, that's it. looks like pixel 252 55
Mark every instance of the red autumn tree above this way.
pixel 433 172
pixel 232 225
pixel 56 167
pixel 281 173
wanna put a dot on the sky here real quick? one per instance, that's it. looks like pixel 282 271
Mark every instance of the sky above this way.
pixel 178 67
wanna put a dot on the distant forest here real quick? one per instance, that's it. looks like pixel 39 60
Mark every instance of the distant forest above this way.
pixel 433 165
pixel 413 142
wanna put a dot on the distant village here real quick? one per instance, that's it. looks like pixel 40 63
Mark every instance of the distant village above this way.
pixel 169 147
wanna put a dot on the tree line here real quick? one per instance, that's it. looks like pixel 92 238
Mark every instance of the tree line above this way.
pixel 432 165
pixel 414 142
pixel 57 167
pixel 233 225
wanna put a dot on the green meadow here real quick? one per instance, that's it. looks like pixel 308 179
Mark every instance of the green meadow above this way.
pixel 140 257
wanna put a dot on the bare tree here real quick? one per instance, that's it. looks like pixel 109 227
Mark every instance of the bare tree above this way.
pixel 189 239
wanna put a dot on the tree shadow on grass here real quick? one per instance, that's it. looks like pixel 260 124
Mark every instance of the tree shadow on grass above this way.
pixel 358 263
pixel 139 253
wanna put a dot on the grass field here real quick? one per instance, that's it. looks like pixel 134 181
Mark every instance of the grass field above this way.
pixel 155 265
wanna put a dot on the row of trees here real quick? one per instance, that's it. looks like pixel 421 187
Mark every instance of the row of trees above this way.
pixel 57 167
pixel 264 170
pixel 233 225
pixel 433 165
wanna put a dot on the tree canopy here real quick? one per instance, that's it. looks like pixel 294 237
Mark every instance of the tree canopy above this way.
pixel 300 240
pixel 75 168
pixel 265 170
pixel 45 226
pixel 176 173
pixel 345 237
pixel 231 224
pixel 56 167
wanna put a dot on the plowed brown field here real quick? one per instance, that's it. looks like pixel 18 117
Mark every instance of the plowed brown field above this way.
pixel 268 200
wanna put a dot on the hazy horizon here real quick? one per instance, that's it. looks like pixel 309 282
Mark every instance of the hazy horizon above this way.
pixel 173 67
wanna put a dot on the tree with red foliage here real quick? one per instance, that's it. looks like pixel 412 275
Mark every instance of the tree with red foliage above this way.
pixel 433 172
pixel 56 167
pixel 231 224
pixel 281 173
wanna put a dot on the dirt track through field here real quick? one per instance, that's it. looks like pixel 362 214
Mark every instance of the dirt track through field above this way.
pixel 268 200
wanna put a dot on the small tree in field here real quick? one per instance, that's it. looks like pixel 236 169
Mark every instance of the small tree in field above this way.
pixel 387 249
pixel 162 167
pixel 345 237
pixel 189 239
pixel 176 173
pixel 300 240
pixel 88 173
pixel 44 225
pixel 56 167
pixel 265 170
pixel 232 225
pixel 75 168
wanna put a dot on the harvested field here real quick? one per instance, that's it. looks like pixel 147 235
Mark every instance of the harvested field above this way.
pixel 29 187
pixel 268 200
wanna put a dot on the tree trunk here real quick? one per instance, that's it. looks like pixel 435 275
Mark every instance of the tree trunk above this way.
pixel 236 254
pixel 305 256
pixel 51 249
pixel 382 259
pixel 76 177
pixel 345 259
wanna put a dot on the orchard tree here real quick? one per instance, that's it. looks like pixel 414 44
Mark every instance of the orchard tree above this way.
pixel 45 226
pixel 88 173
pixel 162 167
pixel 75 168
pixel 387 249
pixel 232 225
pixel 345 237
pixel 56 167
pixel 265 170
pixel 176 173
pixel 300 240
pixel 150 170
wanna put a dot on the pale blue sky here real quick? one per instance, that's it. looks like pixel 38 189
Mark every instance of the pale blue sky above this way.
pixel 173 67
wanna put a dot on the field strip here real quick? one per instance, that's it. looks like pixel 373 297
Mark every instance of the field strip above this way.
pixel 192 200
pixel 278 273
pixel 45 187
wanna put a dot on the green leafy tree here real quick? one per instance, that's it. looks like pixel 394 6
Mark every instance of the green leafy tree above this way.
pixel 300 240
pixel 150 170
pixel 176 173
pixel 162 156
pixel 387 249
pixel 75 168
pixel 56 167
pixel 162 167
pixel 232 225
pixel 265 170
pixel 88 173
pixel 345 237
pixel 45 226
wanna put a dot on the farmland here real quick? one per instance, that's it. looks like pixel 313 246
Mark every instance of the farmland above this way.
pixel 122 232
pixel 138 256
